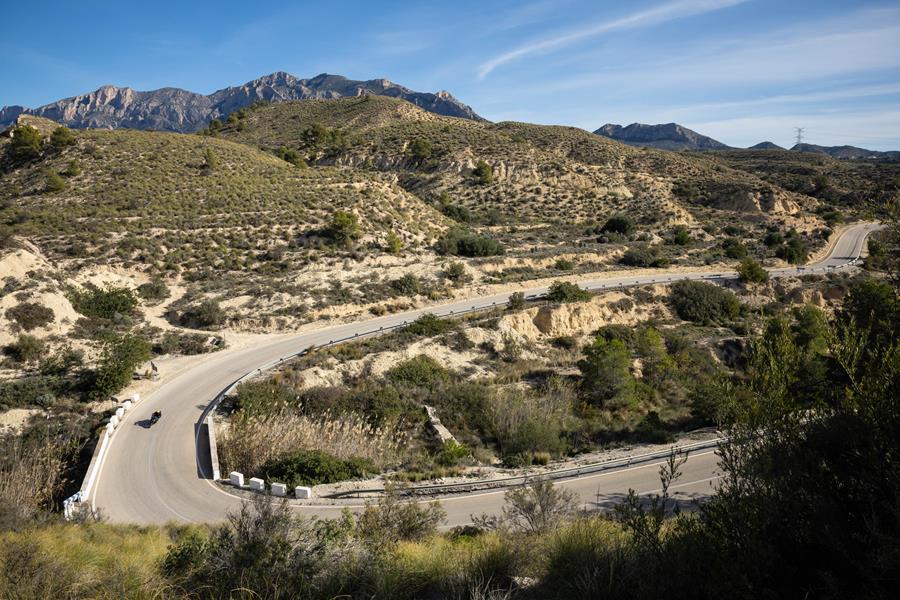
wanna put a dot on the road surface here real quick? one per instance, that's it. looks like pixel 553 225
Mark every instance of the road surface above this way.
pixel 153 475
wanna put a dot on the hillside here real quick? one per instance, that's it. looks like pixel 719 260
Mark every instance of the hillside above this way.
pixel 850 183
pixel 668 136
pixel 538 172
pixel 846 152
pixel 173 109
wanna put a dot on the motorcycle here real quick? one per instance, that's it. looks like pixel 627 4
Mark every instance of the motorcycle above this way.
pixel 156 416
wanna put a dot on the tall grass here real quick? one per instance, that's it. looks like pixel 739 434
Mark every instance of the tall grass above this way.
pixel 253 440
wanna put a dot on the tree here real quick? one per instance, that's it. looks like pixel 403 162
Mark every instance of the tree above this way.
pixel 210 160
pixel 119 356
pixel 563 291
pixel 344 228
pixel 734 248
pixel 703 302
pixel 750 271
pixel 420 150
pixel 483 173
pixel 516 301
pixel 606 373
pixel 61 138
pixel 620 225
pixel 26 143
pixel 681 236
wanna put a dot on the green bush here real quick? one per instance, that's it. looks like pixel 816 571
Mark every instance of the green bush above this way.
pixel 344 228
pixel 794 250
pixel 516 301
pixel 206 315
pixel 750 271
pixel 103 303
pixel 30 315
pixel 483 173
pixel 154 290
pixel 563 291
pixel 703 302
pixel 681 236
pixel 420 150
pixel 429 325
pixel 458 213
pixel 55 183
pixel 564 264
pixel 463 243
pixel 419 371
pixel 73 170
pixel 61 138
pixel 734 248
pixel 26 349
pixel 645 257
pixel 393 243
pixel 620 225
pixel 407 285
pixel 314 467
pixel 456 272
pixel 451 454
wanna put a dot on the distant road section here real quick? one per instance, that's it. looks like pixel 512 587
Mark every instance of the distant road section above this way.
pixel 155 475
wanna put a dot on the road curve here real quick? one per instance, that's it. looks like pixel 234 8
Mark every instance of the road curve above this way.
pixel 152 475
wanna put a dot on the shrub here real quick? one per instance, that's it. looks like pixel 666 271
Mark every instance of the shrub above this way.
pixel 750 271
pixel 344 228
pixel 26 349
pixel 681 236
pixel 314 467
pixel 643 256
pixel 393 243
pixel 61 138
pixel 30 315
pixel 26 143
pixel 451 454
pixel 154 290
pixel 483 173
pixel 290 155
pixel 430 325
pixel 389 520
pixel 516 301
pixel 73 170
pixel 408 285
pixel 419 371
pixel 563 291
pixel 733 248
pixel 620 225
pixel 55 183
pixel 458 213
pixel 773 238
pixel 703 302
pixel 206 315
pixel 463 243
pixel 456 272
pixel 794 250
pixel 420 150
pixel 103 303
pixel 564 264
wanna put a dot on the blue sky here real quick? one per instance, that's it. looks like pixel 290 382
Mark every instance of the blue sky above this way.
pixel 741 71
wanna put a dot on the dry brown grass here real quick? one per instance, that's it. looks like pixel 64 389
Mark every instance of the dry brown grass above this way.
pixel 251 441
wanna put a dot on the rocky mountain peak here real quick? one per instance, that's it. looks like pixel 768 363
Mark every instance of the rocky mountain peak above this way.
pixel 666 136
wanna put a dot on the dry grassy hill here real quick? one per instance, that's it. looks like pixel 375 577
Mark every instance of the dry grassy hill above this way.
pixel 539 172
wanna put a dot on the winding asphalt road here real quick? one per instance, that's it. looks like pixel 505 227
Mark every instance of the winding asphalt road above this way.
pixel 155 476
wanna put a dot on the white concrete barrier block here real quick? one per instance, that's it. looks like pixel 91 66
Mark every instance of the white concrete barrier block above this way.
pixel 114 421
pixel 236 479
pixel 126 405
pixel 136 398
pixel 279 489
pixel 257 484
pixel 120 412
pixel 110 427
pixel 303 492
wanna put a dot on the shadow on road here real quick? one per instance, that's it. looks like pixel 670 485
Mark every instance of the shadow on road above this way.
pixel 145 423
pixel 685 501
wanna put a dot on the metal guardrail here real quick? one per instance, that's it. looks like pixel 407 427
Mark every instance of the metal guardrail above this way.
pixel 504 482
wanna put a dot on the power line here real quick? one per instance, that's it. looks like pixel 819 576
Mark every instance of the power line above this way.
pixel 799 131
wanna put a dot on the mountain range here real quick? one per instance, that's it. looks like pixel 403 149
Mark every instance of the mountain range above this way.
pixel 667 136
pixel 672 136
pixel 173 109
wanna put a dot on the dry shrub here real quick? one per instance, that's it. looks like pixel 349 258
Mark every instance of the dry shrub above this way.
pixel 30 476
pixel 251 441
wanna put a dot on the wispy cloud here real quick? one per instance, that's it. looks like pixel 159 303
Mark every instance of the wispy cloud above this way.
pixel 645 18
